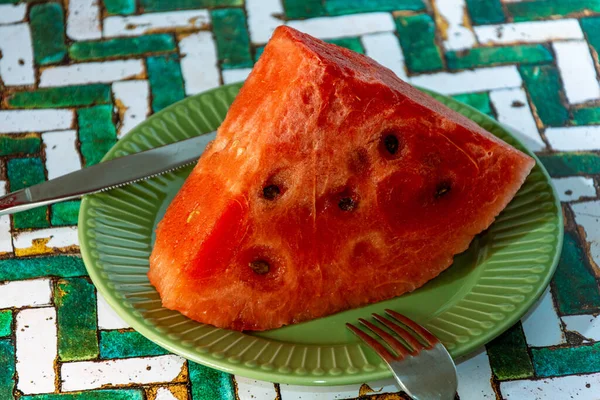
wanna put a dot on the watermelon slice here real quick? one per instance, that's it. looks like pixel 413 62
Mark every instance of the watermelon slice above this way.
pixel 331 184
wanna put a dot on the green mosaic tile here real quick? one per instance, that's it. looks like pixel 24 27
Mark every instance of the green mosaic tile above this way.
pixel 568 164
pixel 97 132
pixel 231 36
pixel 48 33
pixel 575 287
pixel 173 5
pixel 7 372
pixel 57 97
pixel 22 173
pixel 591 28
pixel 545 90
pixel 485 56
pixel 16 269
pixel 114 394
pixel 120 47
pixel 480 101
pixel 117 344
pixel 560 361
pixel 258 52
pixel 484 12
pixel 166 83
pixel 417 37
pixel 120 7
pixel 8 1
pixel 543 9
pixel 508 355
pixel 586 116
pixel 65 213
pixel 209 384
pixel 6 317
pixel 26 144
pixel 295 9
pixel 75 301
pixel 353 44
pixel 340 7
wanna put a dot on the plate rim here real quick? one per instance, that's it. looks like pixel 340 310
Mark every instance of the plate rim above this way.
pixel 308 380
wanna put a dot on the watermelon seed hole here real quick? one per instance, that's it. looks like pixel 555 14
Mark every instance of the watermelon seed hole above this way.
pixel 442 189
pixel 391 144
pixel 347 204
pixel 259 267
pixel 271 192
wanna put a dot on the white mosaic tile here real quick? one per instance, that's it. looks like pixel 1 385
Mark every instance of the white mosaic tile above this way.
pixel 85 375
pixel 134 97
pixel 513 110
pixel 478 80
pixel 385 49
pixel 587 215
pixel 579 77
pixel 83 20
pixel 574 188
pixel 107 317
pixel 541 325
pixel 235 75
pixel 199 65
pixel 61 153
pixel 248 389
pixel 293 392
pixel 573 138
pixel 138 24
pixel 31 293
pixel 587 326
pixel 529 32
pixel 454 14
pixel 346 25
pixel 16 63
pixel 474 374
pixel 11 13
pixel 93 72
pixel 262 19
pixel 17 121
pixel 6 245
pixel 58 238
pixel 36 349
pixel 164 394
pixel 580 387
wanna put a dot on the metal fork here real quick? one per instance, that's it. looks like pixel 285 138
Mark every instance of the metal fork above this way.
pixel 420 363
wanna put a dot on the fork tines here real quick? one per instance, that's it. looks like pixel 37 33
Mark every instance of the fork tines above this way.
pixel 414 338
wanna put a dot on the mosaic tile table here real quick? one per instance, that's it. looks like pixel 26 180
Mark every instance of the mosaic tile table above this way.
pixel 77 75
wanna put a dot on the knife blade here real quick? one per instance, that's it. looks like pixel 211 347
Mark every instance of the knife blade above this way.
pixel 107 175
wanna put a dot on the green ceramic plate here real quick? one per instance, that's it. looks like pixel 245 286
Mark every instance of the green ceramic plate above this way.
pixel 486 291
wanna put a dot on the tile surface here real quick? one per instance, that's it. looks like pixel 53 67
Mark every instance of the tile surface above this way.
pixel 78 75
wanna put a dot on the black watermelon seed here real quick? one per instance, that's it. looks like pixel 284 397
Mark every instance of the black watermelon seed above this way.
pixel 260 267
pixel 271 192
pixel 442 189
pixel 347 204
pixel 391 144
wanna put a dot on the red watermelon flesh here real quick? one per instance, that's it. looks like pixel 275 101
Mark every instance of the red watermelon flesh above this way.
pixel 331 184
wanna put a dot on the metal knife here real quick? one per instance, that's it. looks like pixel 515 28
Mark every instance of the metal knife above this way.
pixel 107 175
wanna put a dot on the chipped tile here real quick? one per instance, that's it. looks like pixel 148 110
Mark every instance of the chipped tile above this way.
pixel 294 392
pixel 262 19
pixel 347 25
pixel 85 375
pixel 574 138
pixel 36 348
pixel 83 20
pixel 587 215
pixel 61 153
pixel 455 35
pixel 385 49
pixel 512 109
pixel 529 32
pixel 93 72
pixel 541 325
pixel 138 24
pixel 133 104
pixel 470 81
pixel 578 78
pixel 43 241
pixel 573 188
pixel 199 65
pixel 11 13
pixel 31 293
pixel 16 63
pixel 586 325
